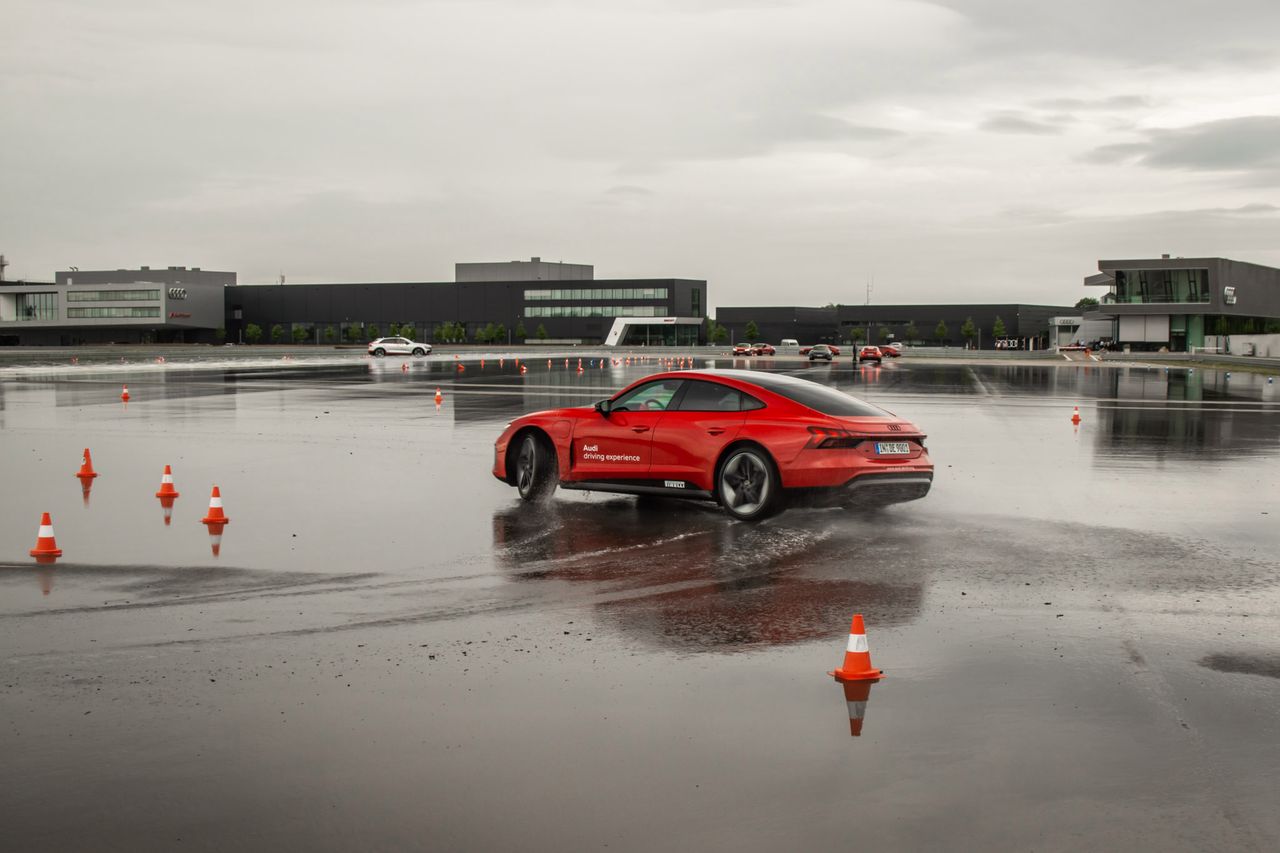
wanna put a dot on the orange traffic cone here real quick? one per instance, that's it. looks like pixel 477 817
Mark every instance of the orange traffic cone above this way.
pixel 46 550
pixel 856 696
pixel 124 394
pixel 524 368
pixel 1075 415
pixel 215 515
pixel 857 657
pixel 86 466
pixel 439 397
pixel 166 484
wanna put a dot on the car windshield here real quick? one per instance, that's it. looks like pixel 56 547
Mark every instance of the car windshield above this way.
pixel 820 398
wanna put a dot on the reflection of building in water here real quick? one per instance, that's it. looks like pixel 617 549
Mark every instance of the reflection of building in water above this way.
pixel 1156 412
pixel 702 583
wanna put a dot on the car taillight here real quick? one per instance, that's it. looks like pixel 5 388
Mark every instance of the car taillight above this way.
pixel 828 438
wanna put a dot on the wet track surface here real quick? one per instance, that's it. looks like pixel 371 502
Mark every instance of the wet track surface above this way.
pixel 1078 624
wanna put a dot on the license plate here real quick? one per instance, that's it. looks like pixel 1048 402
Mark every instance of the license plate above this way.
pixel 892 448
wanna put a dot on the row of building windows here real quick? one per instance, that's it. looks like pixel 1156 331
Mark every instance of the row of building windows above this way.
pixel 37 306
pixel 595 311
pixel 597 293
pixel 100 313
pixel 1146 286
pixel 112 295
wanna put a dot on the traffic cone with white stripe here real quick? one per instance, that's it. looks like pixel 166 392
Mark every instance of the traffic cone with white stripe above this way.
pixel 124 394
pixel 1075 415
pixel 166 484
pixel 216 515
pixel 46 550
pixel 856 696
pixel 439 397
pixel 857 656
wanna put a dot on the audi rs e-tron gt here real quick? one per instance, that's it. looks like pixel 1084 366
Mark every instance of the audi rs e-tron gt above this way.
pixel 747 440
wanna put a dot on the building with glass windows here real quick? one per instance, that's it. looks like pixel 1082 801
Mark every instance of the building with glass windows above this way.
pixel 565 303
pixel 172 305
pixel 1174 303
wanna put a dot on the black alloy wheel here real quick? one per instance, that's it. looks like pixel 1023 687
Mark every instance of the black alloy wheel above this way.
pixel 535 468
pixel 748 486
pixel 417 351
pixel 379 352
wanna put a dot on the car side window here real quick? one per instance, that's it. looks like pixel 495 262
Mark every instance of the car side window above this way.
pixel 710 397
pixel 651 396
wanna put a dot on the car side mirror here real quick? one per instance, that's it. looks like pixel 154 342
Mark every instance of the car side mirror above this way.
pixel 604 407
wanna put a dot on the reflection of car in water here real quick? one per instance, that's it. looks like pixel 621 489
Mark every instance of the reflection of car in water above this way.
pixel 744 439
pixel 691 580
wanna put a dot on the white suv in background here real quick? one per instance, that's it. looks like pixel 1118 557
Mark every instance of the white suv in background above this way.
pixel 397 346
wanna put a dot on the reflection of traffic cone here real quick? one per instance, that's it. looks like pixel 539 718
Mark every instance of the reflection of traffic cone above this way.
pixel 439 397
pixel 124 395
pixel 857 657
pixel 86 466
pixel 215 537
pixel 167 504
pixel 86 485
pixel 215 515
pixel 524 368
pixel 166 484
pixel 45 577
pixel 856 695
pixel 46 550
pixel 1075 415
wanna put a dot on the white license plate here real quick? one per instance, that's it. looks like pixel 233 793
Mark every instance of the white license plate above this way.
pixel 892 448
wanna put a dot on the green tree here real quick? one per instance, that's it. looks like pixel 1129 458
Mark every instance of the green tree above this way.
pixel 941 331
pixel 521 334
pixel 353 334
pixel 408 330
pixel 220 334
pixel 300 334
pixel 998 330
pixel 393 330
pixel 500 333
pixel 1086 302
pixel 277 334
pixel 330 334
pixel 912 333
pixel 752 331
pixel 374 332
pixel 541 333
pixel 968 331
pixel 720 334
pixel 883 334
pixel 253 333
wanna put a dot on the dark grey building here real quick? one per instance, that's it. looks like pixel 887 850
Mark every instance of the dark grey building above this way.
pixel 580 310
pixel 1026 326
pixel 1174 303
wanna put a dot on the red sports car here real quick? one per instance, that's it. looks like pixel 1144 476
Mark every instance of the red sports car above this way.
pixel 763 349
pixel 745 439
pixel 743 349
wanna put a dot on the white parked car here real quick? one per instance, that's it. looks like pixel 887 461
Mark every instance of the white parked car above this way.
pixel 397 346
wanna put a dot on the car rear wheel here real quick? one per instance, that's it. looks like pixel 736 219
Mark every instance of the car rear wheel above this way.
pixel 748 486
pixel 379 352
pixel 535 472
pixel 417 351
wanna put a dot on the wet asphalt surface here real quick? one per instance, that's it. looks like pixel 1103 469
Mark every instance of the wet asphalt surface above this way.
pixel 1078 624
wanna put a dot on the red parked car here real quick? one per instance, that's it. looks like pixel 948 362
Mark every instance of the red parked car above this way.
pixel 744 439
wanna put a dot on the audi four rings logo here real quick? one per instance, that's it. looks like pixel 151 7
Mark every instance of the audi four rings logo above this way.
pixel 177 293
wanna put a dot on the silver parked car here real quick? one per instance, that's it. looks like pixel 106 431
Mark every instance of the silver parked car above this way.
pixel 397 345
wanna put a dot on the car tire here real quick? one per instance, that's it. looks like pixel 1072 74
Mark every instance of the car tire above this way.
pixel 379 352
pixel 418 352
pixel 748 485
pixel 535 473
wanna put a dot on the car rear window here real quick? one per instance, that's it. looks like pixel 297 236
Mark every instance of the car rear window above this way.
pixel 820 398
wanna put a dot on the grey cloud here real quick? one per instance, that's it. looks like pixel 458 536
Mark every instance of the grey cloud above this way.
pixel 1114 103
pixel 628 191
pixel 1013 122
pixel 1235 144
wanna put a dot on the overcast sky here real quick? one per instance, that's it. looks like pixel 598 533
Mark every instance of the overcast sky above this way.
pixel 787 152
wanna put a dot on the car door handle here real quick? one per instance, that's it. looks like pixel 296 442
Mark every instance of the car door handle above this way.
pixel 639 429
pixel 714 431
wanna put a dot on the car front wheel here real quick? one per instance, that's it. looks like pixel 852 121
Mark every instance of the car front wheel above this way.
pixel 748 486
pixel 418 352
pixel 535 468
